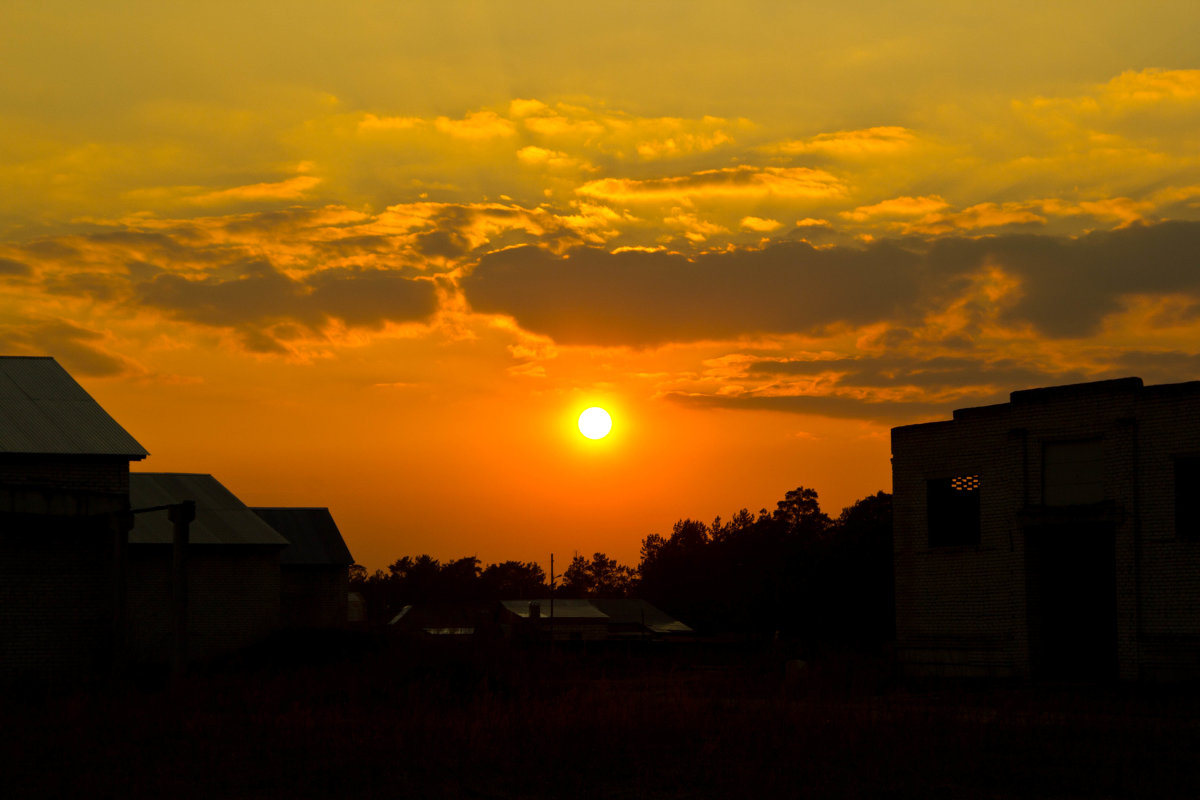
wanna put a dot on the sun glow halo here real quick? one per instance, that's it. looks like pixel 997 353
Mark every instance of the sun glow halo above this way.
pixel 595 423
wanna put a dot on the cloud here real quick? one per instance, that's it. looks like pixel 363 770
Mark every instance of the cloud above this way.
pixel 290 189
pixel 1154 86
pixel 260 296
pixel 846 144
pixel 760 225
pixel 977 217
pixel 371 122
pixel 12 267
pixel 540 156
pixel 727 183
pixel 897 207
pixel 590 296
pixel 935 372
pixel 476 126
pixel 81 350
pixel 1056 286
pixel 883 409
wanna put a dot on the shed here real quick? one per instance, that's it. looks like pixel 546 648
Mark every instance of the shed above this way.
pixel 233 574
pixel 568 619
pixel 631 617
pixel 314 567
pixel 64 488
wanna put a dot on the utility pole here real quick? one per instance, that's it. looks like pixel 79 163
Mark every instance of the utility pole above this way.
pixel 182 515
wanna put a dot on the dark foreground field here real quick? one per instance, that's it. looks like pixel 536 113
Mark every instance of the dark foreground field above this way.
pixel 360 719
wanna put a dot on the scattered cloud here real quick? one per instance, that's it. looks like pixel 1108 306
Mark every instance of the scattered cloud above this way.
pixel 290 189
pixel 729 183
pixel 884 139
pixel 897 207
pixel 760 225
pixel 476 126
pixel 1058 287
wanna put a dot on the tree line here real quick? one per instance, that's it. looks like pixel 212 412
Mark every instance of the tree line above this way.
pixel 793 570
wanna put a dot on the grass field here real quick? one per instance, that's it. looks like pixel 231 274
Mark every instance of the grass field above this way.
pixel 363 719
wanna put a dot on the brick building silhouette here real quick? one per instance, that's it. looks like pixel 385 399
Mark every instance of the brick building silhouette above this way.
pixel 1055 536
pixel 90 578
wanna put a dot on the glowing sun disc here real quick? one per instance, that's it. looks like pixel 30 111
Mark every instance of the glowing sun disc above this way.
pixel 595 423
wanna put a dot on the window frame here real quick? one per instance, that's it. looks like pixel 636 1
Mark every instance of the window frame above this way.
pixel 953 511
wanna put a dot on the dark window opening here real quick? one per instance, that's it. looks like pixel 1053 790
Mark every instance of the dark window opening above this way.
pixel 1187 497
pixel 1073 472
pixel 953 511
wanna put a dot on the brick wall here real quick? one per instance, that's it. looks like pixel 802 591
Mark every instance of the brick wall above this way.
pixel 233 600
pixel 73 473
pixel 55 598
pixel 967 609
pixel 314 596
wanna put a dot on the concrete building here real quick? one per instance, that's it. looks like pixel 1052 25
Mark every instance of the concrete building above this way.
pixel 1055 536
pixel 64 498
pixel 314 567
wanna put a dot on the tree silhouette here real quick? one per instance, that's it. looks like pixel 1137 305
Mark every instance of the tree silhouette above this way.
pixel 792 571
pixel 512 580
pixel 600 577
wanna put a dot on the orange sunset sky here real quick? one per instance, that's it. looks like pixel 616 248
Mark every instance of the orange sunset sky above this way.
pixel 377 256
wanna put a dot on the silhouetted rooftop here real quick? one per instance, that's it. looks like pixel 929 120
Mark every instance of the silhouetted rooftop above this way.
pixel 1068 392
pixel 44 411
pixel 564 608
pixel 221 518
pixel 313 537
pixel 628 610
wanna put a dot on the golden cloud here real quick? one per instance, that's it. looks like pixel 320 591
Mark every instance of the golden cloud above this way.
pixel 694 229
pixel 476 126
pixel 734 183
pixel 760 225
pixel 897 207
pixel 290 189
pixel 982 215
pixel 533 155
pixel 371 122
pixel 1154 86
pixel 865 142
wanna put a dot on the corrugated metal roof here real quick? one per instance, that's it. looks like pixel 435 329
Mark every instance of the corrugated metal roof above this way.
pixel 221 518
pixel 44 411
pixel 564 608
pixel 634 611
pixel 313 536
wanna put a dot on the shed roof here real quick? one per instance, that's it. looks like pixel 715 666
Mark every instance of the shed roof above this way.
pixel 221 518
pixel 620 611
pixel 564 608
pixel 313 537
pixel 43 411
pixel 632 611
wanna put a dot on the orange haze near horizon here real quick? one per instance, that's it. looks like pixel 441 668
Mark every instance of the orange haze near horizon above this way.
pixel 379 257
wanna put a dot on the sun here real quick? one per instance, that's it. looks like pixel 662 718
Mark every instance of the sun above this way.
pixel 595 423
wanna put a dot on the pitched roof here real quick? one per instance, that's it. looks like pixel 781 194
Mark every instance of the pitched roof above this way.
pixel 564 608
pixel 621 611
pixel 43 411
pixel 634 611
pixel 221 518
pixel 313 537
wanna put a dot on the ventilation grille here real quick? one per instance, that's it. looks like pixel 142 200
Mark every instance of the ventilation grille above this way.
pixel 965 483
